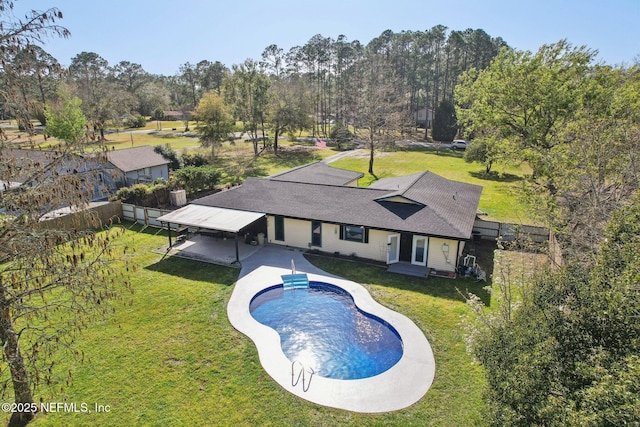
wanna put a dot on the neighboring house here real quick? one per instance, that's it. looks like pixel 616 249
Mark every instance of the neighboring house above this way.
pixel 424 117
pixel 91 167
pixel 138 165
pixel 422 219
pixel 178 115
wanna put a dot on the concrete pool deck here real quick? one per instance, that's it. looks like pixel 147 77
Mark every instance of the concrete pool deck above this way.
pixel 399 387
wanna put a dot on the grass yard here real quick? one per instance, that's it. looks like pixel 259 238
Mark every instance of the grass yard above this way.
pixel 171 357
pixel 500 195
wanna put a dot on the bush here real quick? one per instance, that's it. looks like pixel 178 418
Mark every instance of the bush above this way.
pixel 340 134
pixel 135 121
pixel 151 195
pixel 158 114
pixel 195 179
pixel 194 159
pixel 135 194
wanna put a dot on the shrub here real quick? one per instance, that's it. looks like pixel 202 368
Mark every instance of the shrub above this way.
pixel 194 159
pixel 340 134
pixel 195 179
pixel 158 114
pixel 146 194
pixel 135 121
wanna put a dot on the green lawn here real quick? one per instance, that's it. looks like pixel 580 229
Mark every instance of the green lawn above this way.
pixel 171 357
pixel 501 191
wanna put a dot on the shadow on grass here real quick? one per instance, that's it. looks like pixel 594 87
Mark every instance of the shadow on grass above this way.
pixel 369 274
pixel 442 152
pixel 139 228
pixel 195 270
pixel 495 176
pixel 290 158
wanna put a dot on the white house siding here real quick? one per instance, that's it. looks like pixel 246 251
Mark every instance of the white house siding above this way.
pixel 297 233
pixel 437 259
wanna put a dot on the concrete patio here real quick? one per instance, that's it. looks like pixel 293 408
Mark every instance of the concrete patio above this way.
pixel 214 250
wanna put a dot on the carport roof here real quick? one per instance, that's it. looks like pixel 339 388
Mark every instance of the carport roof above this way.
pixel 212 218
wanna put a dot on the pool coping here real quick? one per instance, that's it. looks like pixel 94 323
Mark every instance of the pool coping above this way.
pixel 399 387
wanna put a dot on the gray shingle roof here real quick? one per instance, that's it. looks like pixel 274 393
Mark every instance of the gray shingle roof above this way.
pixel 318 173
pixel 132 159
pixel 448 207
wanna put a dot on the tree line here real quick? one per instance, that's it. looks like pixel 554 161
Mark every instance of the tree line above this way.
pixel 562 346
pixel 309 87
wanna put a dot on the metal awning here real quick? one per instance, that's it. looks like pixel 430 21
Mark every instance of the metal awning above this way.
pixel 212 218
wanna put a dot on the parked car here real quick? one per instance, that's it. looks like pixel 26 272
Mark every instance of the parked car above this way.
pixel 459 144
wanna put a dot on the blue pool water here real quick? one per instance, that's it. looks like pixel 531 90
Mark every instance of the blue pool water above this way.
pixel 322 328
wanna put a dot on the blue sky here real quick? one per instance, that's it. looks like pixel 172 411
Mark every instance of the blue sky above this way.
pixel 161 35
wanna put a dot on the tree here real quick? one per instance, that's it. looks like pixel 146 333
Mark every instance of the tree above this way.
pixel 53 281
pixel 170 154
pixel 215 121
pixel 488 150
pixel 445 123
pixel 35 75
pixel 379 107
pixel 527 99
pixel 340 134
pixel 247 90
pixel 568 338
pixel 131 76
pixel 572 123
pixel 103 100
pixel 17 37
pixel 66 121
pixel 289 109
pixel 152 96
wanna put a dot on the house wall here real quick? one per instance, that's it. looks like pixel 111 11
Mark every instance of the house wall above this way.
pixel 297 233
pixel 437 259
pixel 138 176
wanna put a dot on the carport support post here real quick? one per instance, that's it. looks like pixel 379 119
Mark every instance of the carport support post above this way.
pixel 237 250
pixel 169 230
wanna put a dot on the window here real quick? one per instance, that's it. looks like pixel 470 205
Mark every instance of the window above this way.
pixel 279 228
pixel 354 233
pixel 316 233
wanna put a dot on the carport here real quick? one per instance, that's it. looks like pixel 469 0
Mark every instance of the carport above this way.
pixel 212 218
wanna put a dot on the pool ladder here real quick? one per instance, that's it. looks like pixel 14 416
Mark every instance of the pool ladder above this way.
pixel 301 375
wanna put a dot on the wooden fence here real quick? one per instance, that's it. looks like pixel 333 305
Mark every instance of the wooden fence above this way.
pixel 99 214
pixel 510 232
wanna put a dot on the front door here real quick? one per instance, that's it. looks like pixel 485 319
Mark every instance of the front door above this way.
pixel 393 248
pixel 419 251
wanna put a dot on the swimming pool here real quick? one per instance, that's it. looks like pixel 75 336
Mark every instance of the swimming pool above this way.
pixel 322 328
pixel 397 387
